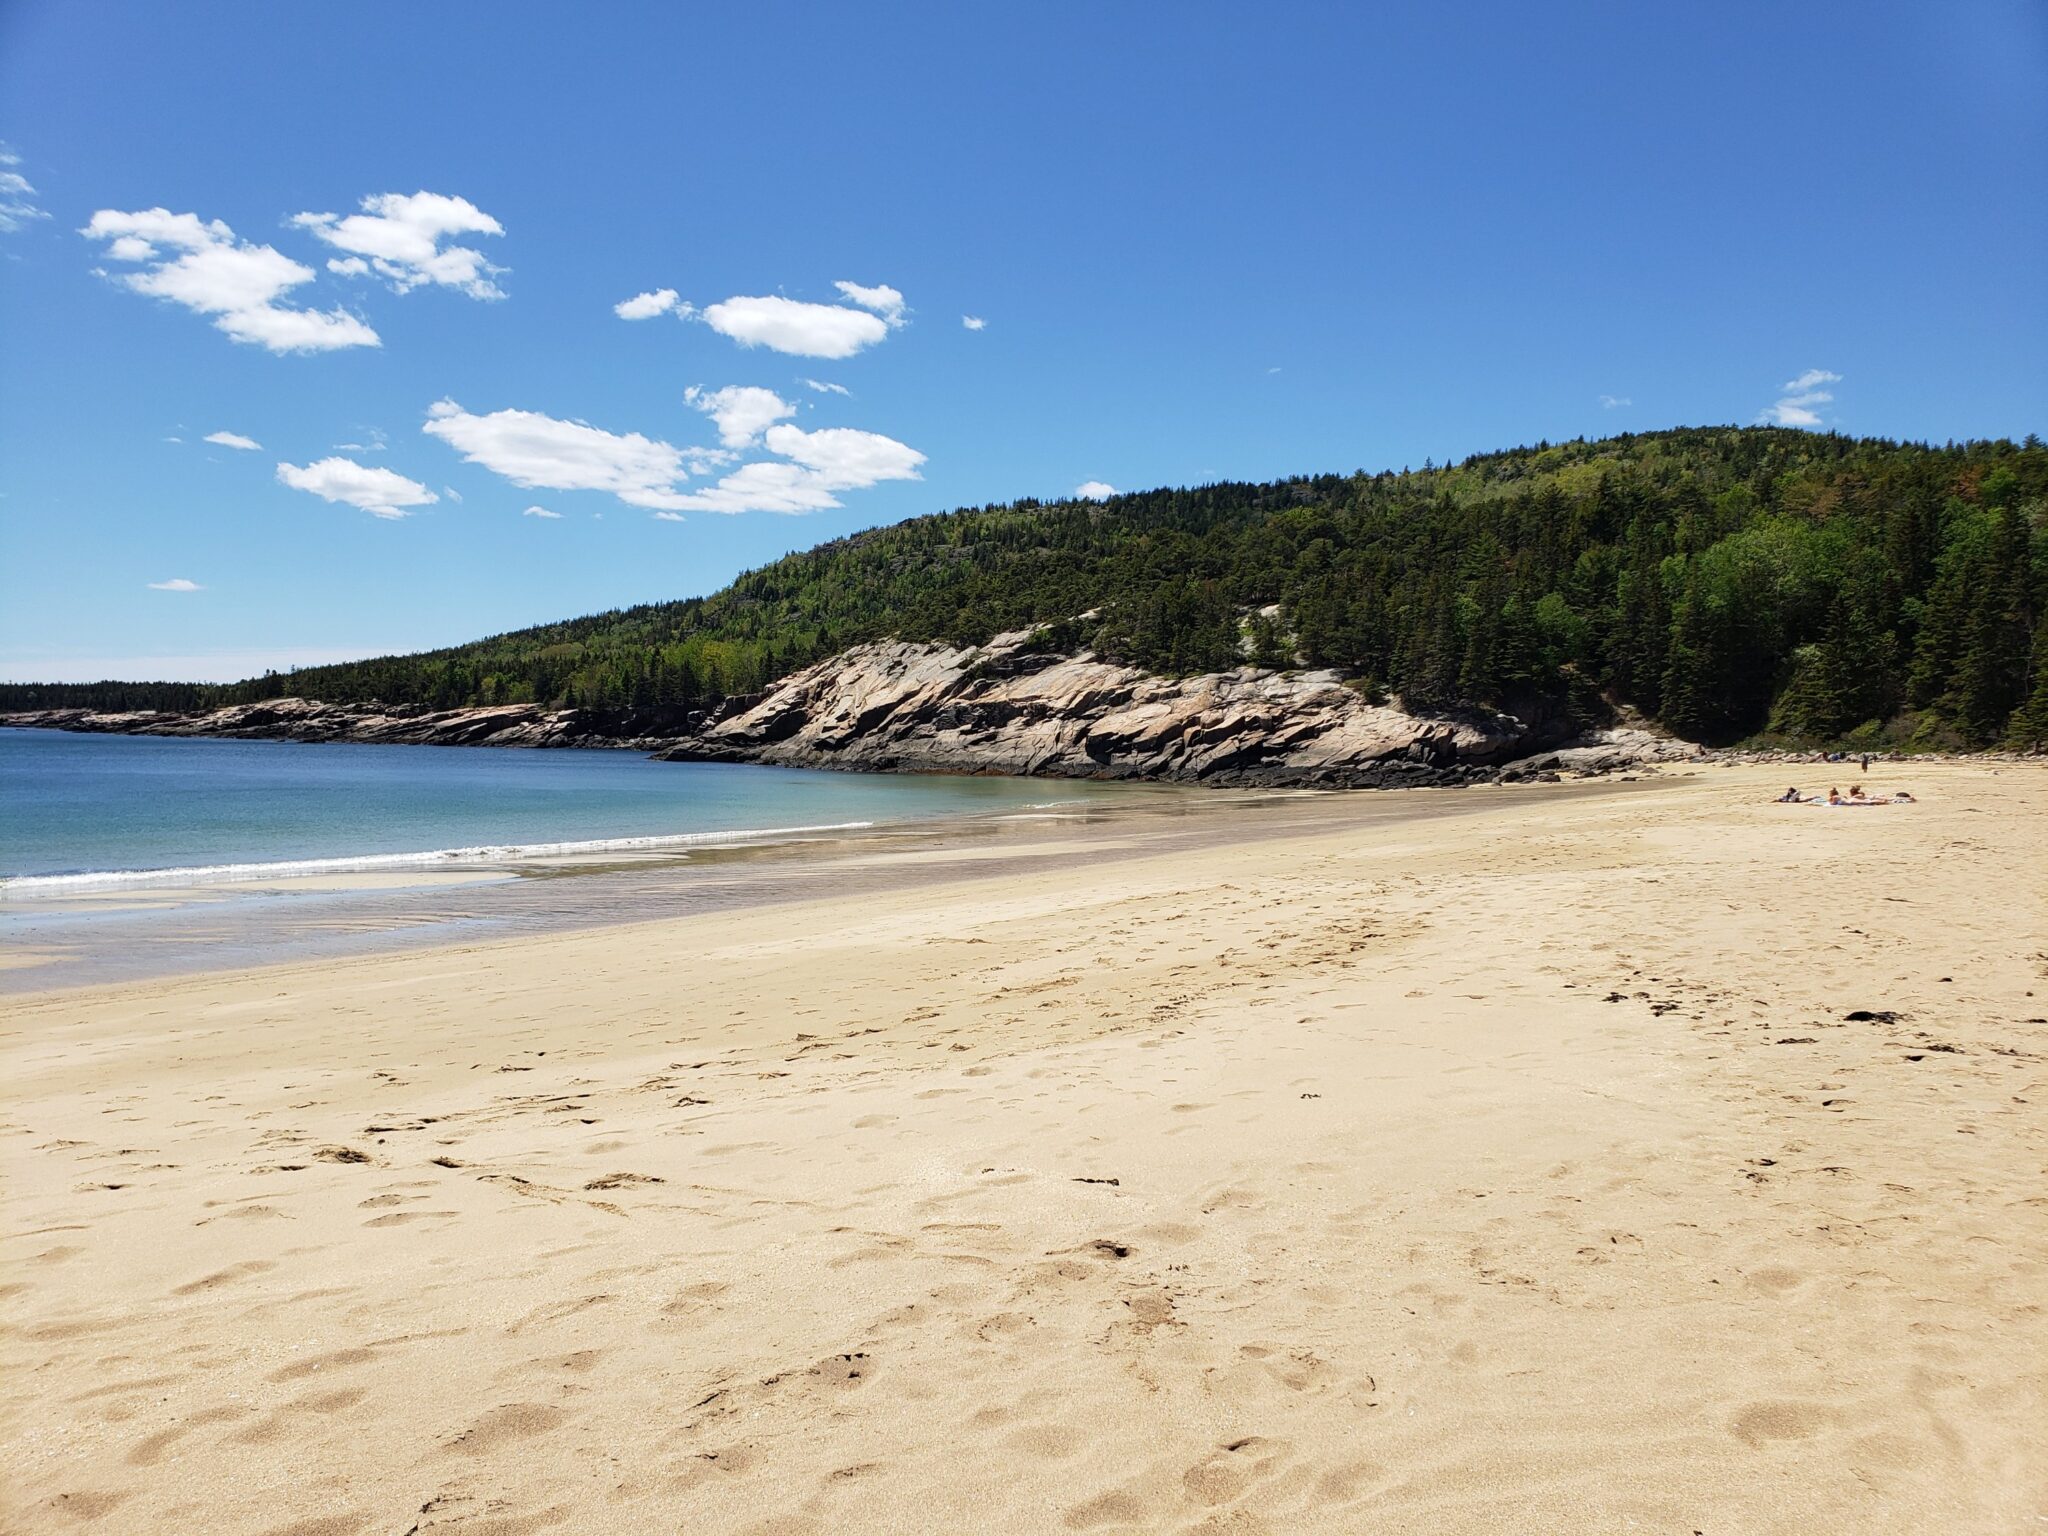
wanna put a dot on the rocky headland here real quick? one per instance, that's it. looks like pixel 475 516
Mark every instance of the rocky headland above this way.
pixel 999 708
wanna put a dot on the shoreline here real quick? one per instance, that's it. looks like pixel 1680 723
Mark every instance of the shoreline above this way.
pixel 1561 1157
pixel 86 937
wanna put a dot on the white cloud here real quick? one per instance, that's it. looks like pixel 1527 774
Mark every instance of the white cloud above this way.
pixel 234 440
pixel 742 411
pixel 400 238
pixel 645 306
pixel 1795 408
pixel 1794 411
pixel 974 322
pixel 452 494
pixel 176 584
pixel 882 299
pixel 380 492
pixel 795 327
pixel 844 458
pixel 824 388
pixel 1094 490
pixel 1614 402
pixel 17 197
pixel 204 267
pixel 813 466
pixel 543 453
pixel 669 517
pixel 539 512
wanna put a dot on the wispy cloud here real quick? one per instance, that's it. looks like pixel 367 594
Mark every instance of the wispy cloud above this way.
pixel 882 299
pixel 176 584
pixel 234 440
pixel 379 492
pixel 17 197
pixel 824 388
pixel 1614 402
pixel 207 269
pixel 974 322
pixel 1795 406
pixel 401 238
pixel 1094 490
pixel 541 512
pixel 812 467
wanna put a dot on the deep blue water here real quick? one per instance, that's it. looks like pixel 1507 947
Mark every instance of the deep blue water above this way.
pixel 80 804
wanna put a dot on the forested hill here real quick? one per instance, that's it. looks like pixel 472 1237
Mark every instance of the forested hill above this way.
pixel 1727 581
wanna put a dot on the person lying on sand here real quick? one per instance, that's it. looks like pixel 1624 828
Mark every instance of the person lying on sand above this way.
pixel 1791 796
pixel 1856 797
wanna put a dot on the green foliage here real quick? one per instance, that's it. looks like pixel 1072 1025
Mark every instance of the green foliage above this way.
pixel 1726 580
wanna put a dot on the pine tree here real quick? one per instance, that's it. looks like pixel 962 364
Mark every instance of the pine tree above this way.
pixel 1689 669
pixel 1991 676
pixel 2027 731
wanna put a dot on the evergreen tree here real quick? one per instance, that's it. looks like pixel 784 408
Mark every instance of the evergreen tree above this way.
pixel 2028 730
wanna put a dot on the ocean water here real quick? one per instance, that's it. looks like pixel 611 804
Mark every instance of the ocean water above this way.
pixel 83 811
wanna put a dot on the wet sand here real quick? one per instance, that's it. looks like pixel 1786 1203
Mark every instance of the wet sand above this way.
pixel 1508 1163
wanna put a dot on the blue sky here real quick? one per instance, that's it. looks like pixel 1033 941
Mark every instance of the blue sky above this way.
pixel 1203 242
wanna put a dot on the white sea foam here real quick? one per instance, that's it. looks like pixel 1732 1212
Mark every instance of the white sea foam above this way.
pixel 438 858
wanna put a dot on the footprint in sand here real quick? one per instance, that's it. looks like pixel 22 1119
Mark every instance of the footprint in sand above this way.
pixel 1226 1472
pixel 505 1425
pixel 1053 1442
pixel 1113 1508
pixel 333 1360
pixel 402 1218
pixel 1761 1423
pixel 228 1276
pixel 1775 1280
pixel 321 1525
pixel 150 1449
pixel 844 1370
pixel 85 1506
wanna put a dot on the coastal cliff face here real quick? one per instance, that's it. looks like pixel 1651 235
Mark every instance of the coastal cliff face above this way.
pixel 1003 708
pixel 1000 708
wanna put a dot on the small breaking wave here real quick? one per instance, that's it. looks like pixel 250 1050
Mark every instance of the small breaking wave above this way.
pixel 438 858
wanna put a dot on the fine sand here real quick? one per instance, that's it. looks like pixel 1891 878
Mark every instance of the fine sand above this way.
pixel 1515 1170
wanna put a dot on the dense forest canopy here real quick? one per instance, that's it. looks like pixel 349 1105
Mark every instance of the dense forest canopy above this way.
pixel 1730 582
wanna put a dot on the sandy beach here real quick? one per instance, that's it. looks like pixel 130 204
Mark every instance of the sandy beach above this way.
pixel 1523 1169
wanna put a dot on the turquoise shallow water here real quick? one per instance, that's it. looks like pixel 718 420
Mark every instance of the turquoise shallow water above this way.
pixel 113 810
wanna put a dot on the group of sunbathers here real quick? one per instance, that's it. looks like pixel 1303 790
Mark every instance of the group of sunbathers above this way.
pixel 1855 796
